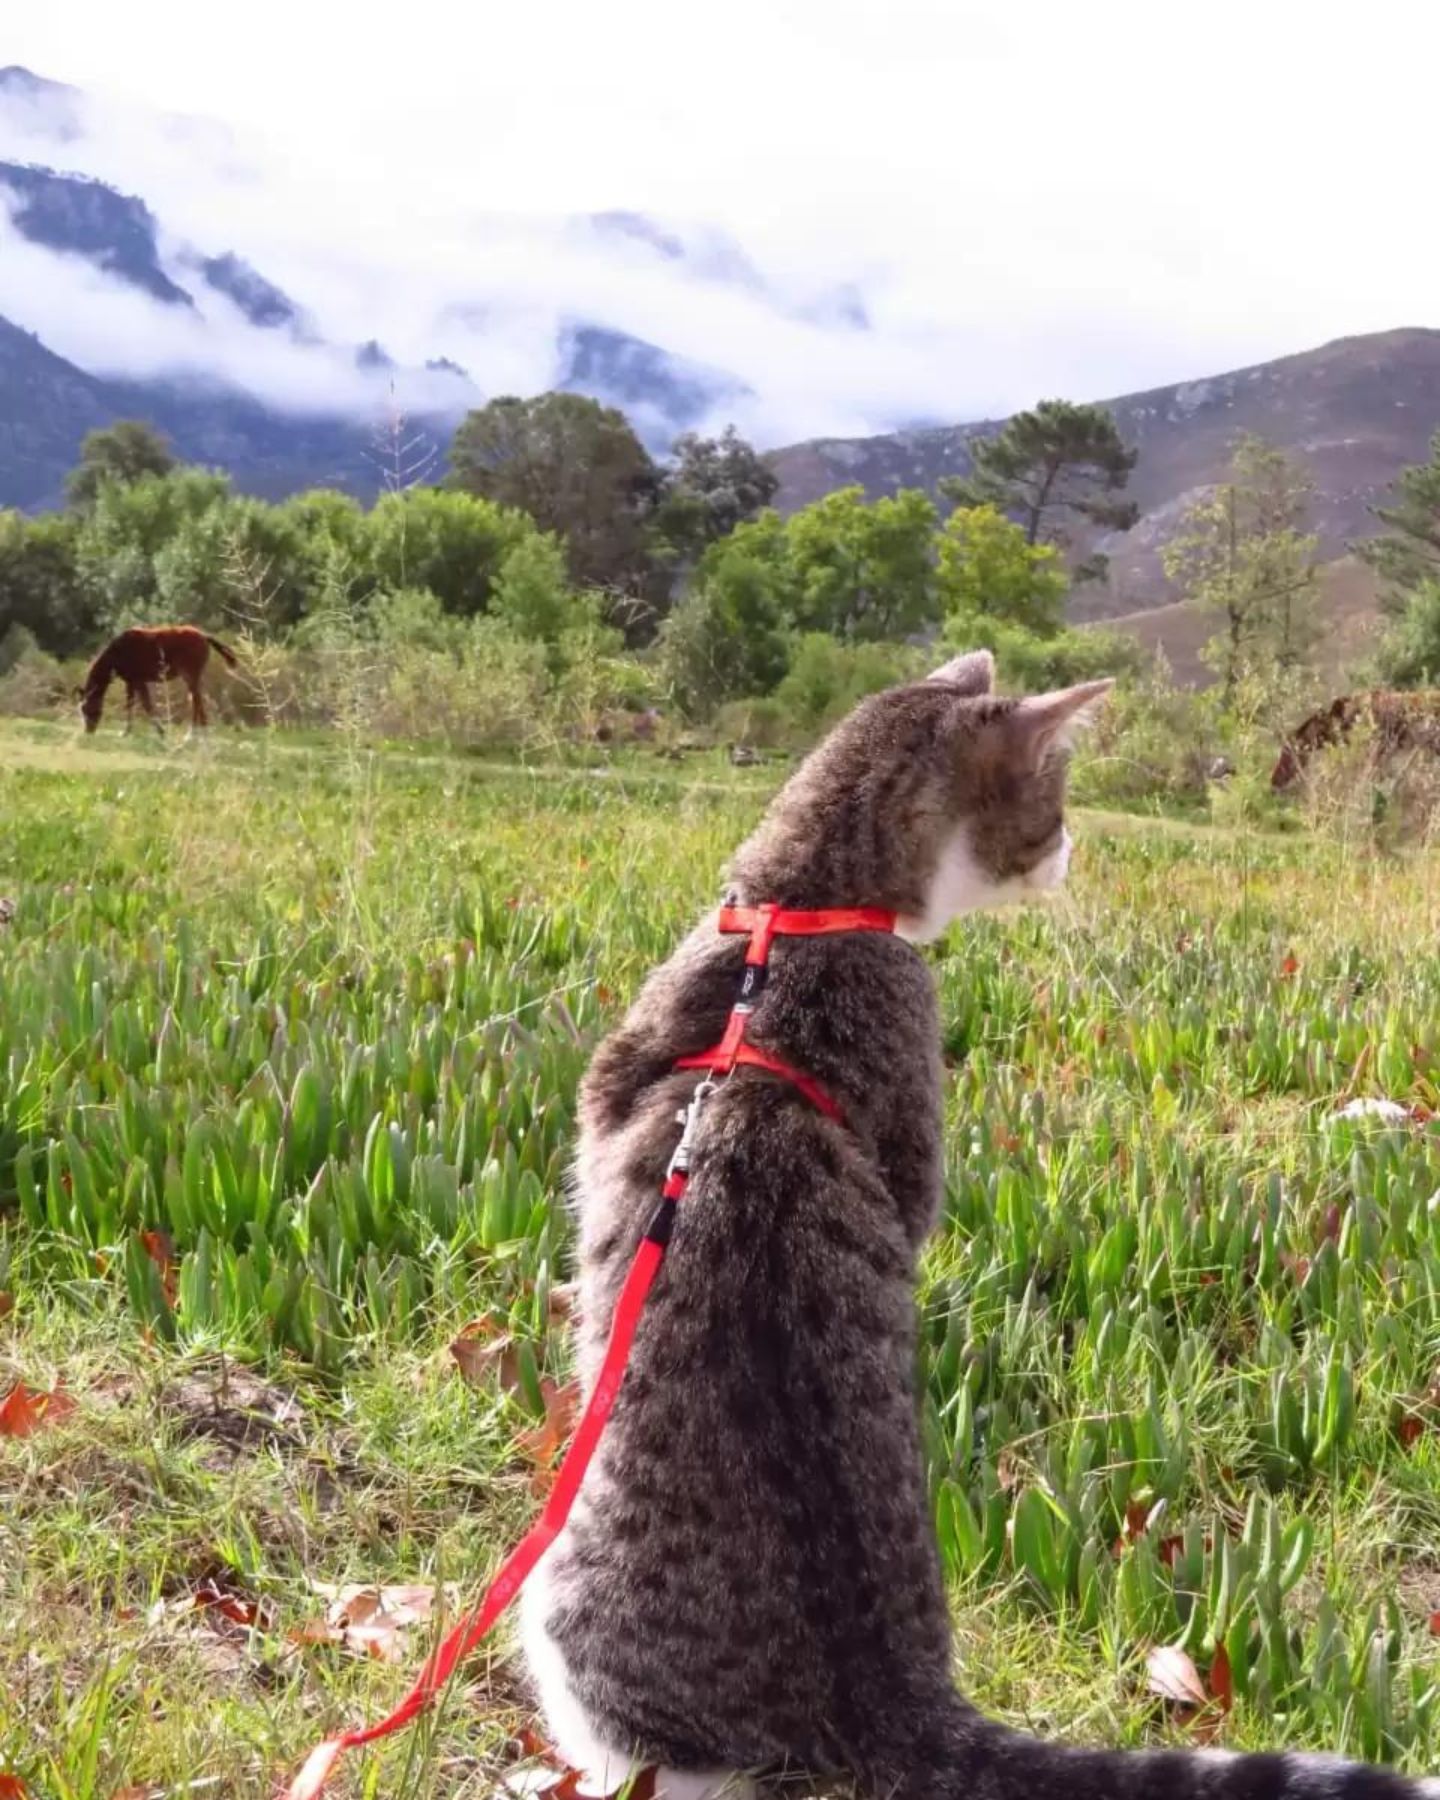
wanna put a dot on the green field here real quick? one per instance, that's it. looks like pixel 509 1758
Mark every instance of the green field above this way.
pixel 289 1043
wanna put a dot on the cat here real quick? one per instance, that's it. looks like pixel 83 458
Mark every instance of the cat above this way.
pixel 749 1583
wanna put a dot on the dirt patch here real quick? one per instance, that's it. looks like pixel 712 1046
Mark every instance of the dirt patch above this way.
pixel 235 1408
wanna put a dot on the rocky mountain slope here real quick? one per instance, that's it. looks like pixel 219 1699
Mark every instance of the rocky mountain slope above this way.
pixel 1354 412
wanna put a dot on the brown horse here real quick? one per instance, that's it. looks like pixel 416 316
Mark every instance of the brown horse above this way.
pixel 147 653
pixel 1401 721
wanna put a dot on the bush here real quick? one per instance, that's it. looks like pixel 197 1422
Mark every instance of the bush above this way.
pixel 31 683
pixel 826 678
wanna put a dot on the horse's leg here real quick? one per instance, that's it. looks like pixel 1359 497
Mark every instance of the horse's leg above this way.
pixel 197 703
pixel 129 708
pixel 149 705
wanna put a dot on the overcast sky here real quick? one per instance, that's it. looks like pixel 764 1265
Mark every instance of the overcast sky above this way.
pixel 1065 198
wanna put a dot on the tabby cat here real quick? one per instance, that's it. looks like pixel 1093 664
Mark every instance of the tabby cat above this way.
pixel 749 1584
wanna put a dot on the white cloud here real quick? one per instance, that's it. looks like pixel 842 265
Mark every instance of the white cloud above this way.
pixel 1056 199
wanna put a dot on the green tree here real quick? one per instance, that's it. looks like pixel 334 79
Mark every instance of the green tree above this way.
pixel 1050 468
pixel 1407 553
pixel 714 485
pixel 532 592
pixel 577 469
pixel 451 543
pixel 1410 649
pixel 122 453
pixel 827 678
pixel 726 640
pixel 41 590
pixel 864 571
pixel 1406 556
pixel 1242 552
pixel 124 537
pixel 988 569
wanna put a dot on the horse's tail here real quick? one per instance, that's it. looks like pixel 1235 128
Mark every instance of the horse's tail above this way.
pixel 229 655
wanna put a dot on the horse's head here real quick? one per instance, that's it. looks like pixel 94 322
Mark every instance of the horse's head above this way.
pixel 91 699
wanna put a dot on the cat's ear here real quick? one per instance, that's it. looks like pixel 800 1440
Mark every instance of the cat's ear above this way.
pixel 1046 720
pixel 973 673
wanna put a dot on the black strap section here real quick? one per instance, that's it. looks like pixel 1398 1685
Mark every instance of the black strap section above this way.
pixel 662 1223
pixel 752 983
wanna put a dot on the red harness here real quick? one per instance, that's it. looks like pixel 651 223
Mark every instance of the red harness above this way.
pixel 763 924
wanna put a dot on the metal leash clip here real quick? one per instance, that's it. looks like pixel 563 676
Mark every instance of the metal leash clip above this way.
pixel 689 1118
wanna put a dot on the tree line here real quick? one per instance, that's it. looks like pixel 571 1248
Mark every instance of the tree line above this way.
pixel 555 526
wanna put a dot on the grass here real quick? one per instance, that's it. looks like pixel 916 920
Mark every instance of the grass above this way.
pixel 288 1050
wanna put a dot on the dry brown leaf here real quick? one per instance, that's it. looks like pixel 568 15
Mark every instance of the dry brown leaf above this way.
pixel 7 1303
pixel 24 1410
pixel 544 1444
pixel 159 1246
pixel 227 1602
pixel 1435 1624
pixel 1222 1684
pixel 538 1778
pixel 1174 1675
pixel 370 1619
pixel 560 1301
pixel 484 1346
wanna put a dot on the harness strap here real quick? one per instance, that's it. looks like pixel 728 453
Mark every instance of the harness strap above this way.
pixel 725 1057
pixel 763 924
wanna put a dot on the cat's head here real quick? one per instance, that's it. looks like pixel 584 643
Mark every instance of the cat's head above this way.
pixel 932 799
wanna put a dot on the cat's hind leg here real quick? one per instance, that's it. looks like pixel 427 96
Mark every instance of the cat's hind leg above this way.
pixel 570 1730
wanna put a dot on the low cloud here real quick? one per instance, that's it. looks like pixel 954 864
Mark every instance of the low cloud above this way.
pixel 940 221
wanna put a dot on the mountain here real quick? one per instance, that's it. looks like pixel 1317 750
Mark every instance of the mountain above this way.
pixel 1354 413
pixel 663 394
pixel 261 302
pixel 115 232
pixel 47 405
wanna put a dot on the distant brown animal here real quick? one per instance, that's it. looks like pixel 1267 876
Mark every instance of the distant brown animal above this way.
pixel 147 653
pixel 1401 722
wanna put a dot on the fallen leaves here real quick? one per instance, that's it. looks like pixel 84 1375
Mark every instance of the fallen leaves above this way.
pixel 1140 1521
pixel 484 1346
pixel 159 1246
pixel 1387 1112
pixel 25 1410
pixel 544 1444
pixel 1173 1675
pixel 369 1620
pixel 543 1772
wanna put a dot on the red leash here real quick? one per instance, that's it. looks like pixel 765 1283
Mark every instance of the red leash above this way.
pixel 763 924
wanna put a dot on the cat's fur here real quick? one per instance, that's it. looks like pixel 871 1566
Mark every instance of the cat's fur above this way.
pixel 750 1580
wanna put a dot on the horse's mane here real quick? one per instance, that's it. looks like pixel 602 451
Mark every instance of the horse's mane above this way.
pixel 100 670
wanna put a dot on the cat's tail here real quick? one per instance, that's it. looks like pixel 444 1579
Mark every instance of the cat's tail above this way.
pixel 962 1756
